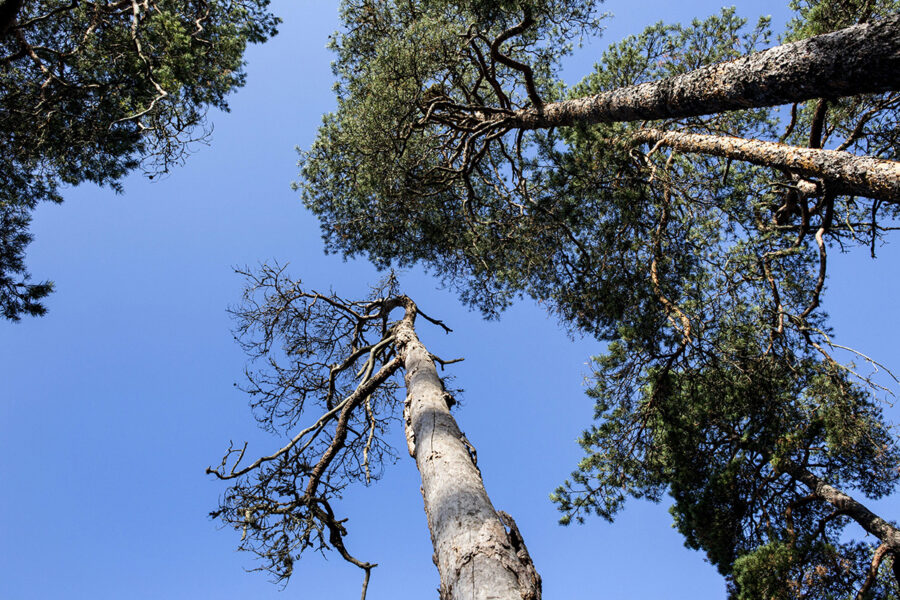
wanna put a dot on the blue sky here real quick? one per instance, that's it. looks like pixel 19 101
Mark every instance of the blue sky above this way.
pixel 115 402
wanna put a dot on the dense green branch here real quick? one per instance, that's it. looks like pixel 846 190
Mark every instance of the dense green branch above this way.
pixel 91 90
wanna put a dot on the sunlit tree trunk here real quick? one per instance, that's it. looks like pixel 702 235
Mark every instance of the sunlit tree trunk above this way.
pixel 477 556
pixel 478 551
pixel 862 59
pixel 851 174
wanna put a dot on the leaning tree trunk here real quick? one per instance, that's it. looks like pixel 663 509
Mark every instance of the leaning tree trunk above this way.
pixel 479 551
pixel 849 173
pixel 862 59
pixel 477 557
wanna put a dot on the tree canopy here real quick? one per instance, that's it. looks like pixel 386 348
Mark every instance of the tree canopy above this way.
pixel 90 91
pixel 696 241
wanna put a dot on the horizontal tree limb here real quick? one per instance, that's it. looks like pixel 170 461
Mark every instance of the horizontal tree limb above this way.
pixel 862 59
pixel 851 174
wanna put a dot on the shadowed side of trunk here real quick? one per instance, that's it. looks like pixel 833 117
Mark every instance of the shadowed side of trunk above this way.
pixel 9 10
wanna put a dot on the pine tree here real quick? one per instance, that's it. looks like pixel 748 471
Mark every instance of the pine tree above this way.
pixel 341 355
pixel 90 91
pixel 663 205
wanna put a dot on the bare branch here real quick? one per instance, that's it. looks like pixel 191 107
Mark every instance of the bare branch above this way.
pixel 525 69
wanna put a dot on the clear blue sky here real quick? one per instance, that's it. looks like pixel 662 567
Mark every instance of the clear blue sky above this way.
pixel 115 402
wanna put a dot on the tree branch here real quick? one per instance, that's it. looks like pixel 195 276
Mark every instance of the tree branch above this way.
pixel 523 68
pixel 846 173
pixel 872 523
pixel 862 59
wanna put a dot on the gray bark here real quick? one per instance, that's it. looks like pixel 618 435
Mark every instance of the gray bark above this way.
pixel 862 59
pixel 849 173
pixel 872 523
pixel 477 557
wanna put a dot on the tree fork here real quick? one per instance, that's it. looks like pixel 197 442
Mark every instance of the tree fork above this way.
pixel 847 173
pixel 862 59
pixel 477 557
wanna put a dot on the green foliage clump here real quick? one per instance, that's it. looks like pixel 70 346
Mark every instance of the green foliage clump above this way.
pixel 90 91
pixel 734 375
pixel 388 184
pixel 712 437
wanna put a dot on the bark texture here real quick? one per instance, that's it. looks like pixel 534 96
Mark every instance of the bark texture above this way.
pixel 477 557
pixel 862 59
pixel 872 523
pixel 849 173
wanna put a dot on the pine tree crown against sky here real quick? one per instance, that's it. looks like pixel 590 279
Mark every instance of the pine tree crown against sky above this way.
pixel 646 211
pixel 90 91
pixel 700 198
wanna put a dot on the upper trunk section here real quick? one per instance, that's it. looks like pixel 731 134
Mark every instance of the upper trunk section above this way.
pixel 476 557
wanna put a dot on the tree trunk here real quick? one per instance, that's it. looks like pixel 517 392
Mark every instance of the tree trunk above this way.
pixel 852 174
pixel 9 10
pixel 478 559
pixel 862 59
